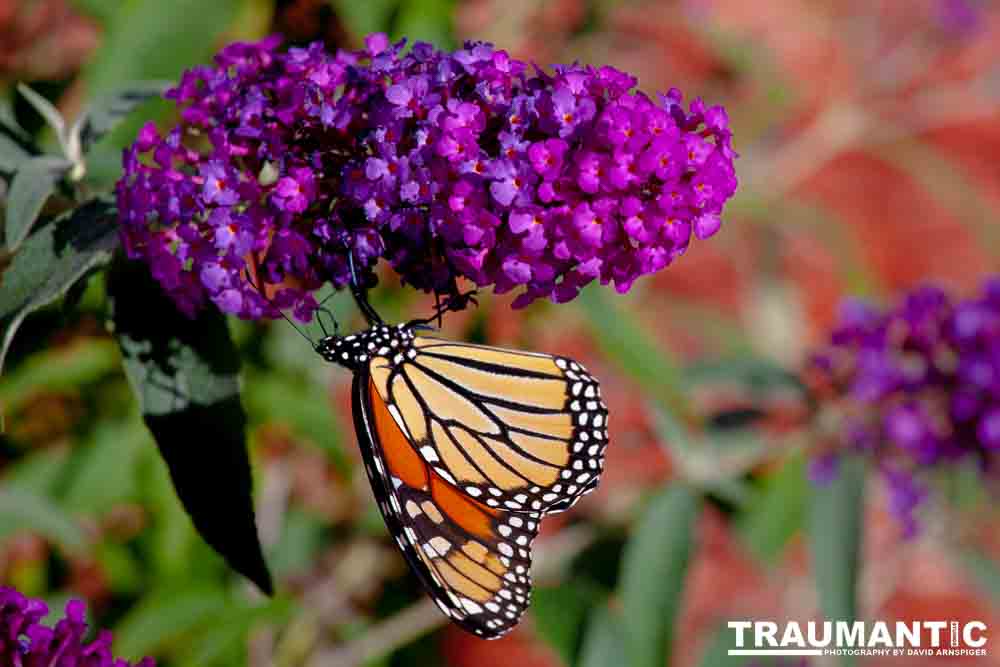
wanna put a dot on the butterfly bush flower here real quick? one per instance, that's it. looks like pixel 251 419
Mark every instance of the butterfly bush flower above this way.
pixel 916 387
pixel 448 165
pixel 25 642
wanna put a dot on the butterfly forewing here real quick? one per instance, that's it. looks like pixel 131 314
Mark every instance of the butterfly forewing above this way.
pixel 519 431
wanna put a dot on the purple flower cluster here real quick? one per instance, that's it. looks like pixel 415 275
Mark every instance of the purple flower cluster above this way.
pixel 447 165
pixel 916 387
pixel 25 642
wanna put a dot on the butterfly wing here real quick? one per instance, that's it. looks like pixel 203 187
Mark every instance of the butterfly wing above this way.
pixel 519 431
pixel 474 560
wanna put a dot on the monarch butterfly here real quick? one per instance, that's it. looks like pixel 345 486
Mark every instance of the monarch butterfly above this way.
pixel 466 448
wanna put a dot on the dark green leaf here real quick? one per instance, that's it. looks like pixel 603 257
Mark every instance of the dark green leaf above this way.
pixel 560 613
pixel 52 259
pixel 777 511
pixel 185 373
pixel 45 109
pixel 34 182
pixel 604 642
pixel 8 120
pixel 654 567
pixel 836 527
pixel 24 510
pixel 108 111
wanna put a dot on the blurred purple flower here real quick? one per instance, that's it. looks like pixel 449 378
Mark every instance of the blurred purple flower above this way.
pixel 447 165
pixel 960 18
pixel 918 386
pixel 25 642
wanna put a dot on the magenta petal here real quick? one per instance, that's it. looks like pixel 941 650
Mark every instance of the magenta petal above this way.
pixel 706 226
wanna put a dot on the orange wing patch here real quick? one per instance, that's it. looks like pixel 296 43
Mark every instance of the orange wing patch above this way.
pixel 403 461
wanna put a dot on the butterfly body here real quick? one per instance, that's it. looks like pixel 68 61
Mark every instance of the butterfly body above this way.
pixel 466 448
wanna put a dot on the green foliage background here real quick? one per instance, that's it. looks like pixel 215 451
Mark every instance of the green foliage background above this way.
pixel 87 506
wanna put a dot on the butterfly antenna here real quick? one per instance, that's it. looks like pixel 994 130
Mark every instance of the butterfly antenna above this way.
pixel 361 295
pixel 279 311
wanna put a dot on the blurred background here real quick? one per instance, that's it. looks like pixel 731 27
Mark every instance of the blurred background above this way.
pixel 869 132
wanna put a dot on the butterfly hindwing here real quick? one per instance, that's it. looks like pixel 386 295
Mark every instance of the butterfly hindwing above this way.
pixel 518 431
pixel 474 560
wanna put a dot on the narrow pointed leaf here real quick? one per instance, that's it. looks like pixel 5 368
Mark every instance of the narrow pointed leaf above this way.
pixel 12 153
pixel 24 510
pixel 560 614
pixel 34 182
pixel 108 111
pixel 836 524
pixel 604 642
pixel 777 511
pixel 654 567
pixel 622 338
pixel 45 109
pixel 51 260
pixel 185 374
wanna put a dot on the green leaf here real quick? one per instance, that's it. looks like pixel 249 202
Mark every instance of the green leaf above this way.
pixel 717 653
pixel 604 642
pixel 836 525
pixel 777 511
pixel 623 339
pixel 163 618
pixel 301 539
pixel 185 373
pixel 108 111
pixel 33 183
pixel 24 510
pixel 123 569
pixel 755 373
pixel 39 471
pixel 560 614
pixel 229 634
pixel 45 109
pixel 104 470
pixel 63 368
pixel 52 259
pixel 426 20
pixel 270 396
pixel 984 571
pixel 366 17
pixel 145 40
pixel 654 567
pixel 12 153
